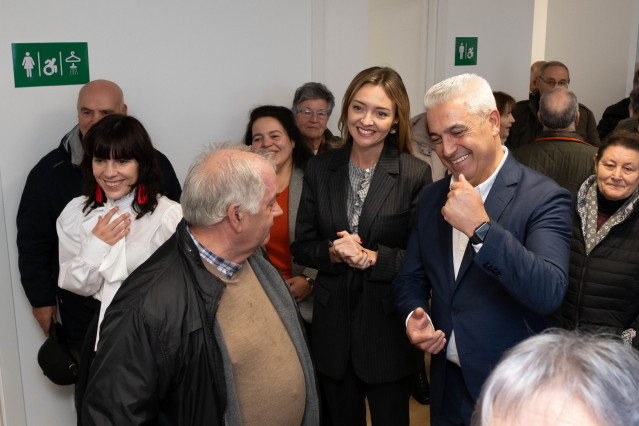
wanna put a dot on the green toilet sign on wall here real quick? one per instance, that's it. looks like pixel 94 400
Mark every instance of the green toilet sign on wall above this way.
pixel 50 64
pixel 465 51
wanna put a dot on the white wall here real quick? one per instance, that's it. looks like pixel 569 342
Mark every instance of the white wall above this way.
pixel 404 50
pixel 539 31
pixel 11 402
pixel 597 40
pixel 504 29
pixel 345 36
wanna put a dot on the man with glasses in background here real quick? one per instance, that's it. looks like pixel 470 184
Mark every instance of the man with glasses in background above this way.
pixel 527 125
pixel 312 106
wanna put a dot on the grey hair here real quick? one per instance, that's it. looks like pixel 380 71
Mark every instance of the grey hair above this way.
pixel 471 89
pixel 209 191
pixel 313 90
pixel 598 370
pixel 553 64
pixel 561 113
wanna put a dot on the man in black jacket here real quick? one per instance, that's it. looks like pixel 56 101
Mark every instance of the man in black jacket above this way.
pixel 51 184
pixel 206 331
pixel 616 112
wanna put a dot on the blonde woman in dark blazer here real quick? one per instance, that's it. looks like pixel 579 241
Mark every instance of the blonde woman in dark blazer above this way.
pixel 355 214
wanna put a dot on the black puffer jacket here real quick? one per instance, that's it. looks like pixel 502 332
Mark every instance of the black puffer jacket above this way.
pixel 603 290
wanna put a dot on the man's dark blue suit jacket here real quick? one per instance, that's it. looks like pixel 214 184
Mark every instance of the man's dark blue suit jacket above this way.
pixel 507 291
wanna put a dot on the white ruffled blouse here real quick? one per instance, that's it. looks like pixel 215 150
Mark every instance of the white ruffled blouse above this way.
pixel 91 267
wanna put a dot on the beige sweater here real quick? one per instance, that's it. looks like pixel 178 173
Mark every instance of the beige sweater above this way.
pixel 267 372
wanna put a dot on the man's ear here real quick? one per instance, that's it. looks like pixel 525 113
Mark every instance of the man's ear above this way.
pixel 235 216
pixel 494 120
pixel 577 119
pixel 124 109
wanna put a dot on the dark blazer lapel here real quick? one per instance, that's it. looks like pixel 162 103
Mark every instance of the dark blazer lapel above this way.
pixel 338 182
pixel 503 189
pixel 383 182
pixel 500 195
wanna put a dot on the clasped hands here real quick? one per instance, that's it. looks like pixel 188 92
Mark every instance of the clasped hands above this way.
pixel 348 249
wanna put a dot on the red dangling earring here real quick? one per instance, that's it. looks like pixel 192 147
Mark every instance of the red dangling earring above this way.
pixel 98 194
pixel 141 194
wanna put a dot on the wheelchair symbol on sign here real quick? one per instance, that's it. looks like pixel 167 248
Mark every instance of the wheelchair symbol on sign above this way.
pixel 50 67
pixel 470 53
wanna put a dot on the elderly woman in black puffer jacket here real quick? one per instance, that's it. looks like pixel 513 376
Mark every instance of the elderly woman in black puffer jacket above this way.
pixel 603 292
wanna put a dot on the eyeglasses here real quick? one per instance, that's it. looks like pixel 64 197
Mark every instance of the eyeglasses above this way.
pixel 307 113
pixel 553 83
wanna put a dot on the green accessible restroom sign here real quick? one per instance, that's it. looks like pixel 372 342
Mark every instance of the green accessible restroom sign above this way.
pixel 465 51
pixel 50 64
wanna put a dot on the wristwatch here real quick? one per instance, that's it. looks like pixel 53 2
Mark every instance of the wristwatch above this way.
pixel 480 233
pixel 310 281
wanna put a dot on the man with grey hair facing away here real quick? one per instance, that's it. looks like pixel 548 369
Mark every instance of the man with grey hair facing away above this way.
pixel 206 331
pixel 489 247
pixel 559 151
pixel 563 378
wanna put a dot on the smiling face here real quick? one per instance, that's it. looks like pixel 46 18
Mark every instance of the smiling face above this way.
pixel 463 143
pixel 269 136
pixel 618 172
pixel 116 177
pixel 371 115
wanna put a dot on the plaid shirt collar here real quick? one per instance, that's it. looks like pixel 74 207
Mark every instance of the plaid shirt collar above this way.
pixel 226 267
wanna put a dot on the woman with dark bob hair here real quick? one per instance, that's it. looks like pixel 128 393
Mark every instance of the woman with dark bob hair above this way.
pixel 355 215
pixel 271 130
pixel 121 219
pixel 603 286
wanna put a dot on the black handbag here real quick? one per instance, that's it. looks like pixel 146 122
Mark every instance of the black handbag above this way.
pixel 55 359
